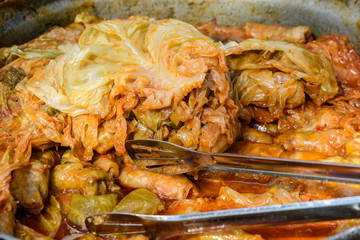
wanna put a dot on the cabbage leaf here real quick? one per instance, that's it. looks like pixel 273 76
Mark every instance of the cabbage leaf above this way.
pixel 140 201
pixel 169 55
pixel 82 177
pixel 47 223
pixel 275 75
pixel 27 233
pixel 81 206
pixel 7 55
pixel 50 219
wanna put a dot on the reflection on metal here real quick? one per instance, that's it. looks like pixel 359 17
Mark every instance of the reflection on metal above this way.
pixel 23 21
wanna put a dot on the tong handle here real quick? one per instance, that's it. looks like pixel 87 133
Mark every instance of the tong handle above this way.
pixel 162 226
pixel 303 212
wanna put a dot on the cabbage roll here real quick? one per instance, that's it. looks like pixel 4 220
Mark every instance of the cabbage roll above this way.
pixel 342 54
pixel 79 206
pixel 105 139
pixel 299 34
pixel 254 135
pixel 48 221
pixel 107 163
pixel 44 46
pixel 174 187
pixel 275 192
pixel 30 185
pixel 222 33
pixel 275 195
pixel 329 142
pixel 312 117
pixel 83 177
pixel 271 76
pixel 141 201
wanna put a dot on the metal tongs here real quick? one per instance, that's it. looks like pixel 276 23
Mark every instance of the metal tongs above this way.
pixel 166 157
pixel 160 227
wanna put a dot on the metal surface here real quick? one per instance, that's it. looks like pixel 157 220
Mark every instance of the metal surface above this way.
pixel 22 20
pixel 7 237
pixel 161 226
pixel 165 157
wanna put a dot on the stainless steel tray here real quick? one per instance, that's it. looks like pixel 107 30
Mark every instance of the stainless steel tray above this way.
pixel 22 20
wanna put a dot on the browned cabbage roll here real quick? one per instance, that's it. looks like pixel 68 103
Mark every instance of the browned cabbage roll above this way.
pixel 299 34
pixel 344 58
pixel 222 33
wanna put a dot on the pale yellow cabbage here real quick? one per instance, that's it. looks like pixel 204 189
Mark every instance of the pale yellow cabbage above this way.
pixel 166 57
pixel 81 206
pixel 50 219
pixel 141 201
pixel 42 226
pixel 15 52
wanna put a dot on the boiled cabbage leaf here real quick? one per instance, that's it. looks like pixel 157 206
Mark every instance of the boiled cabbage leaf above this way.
pixel 82 177
pixel 46 224
pixel 151 119
pixel 140 201
pixel 81 206
pixel 50 219
pixel 7 55
pixel 26 233
pixel 34 53
pixel 169 55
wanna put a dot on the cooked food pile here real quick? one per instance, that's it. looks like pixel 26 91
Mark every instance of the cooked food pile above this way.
pixel 72 97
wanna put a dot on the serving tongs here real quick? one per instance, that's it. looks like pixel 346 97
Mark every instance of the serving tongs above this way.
pixel 160 227
pixel 165 157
